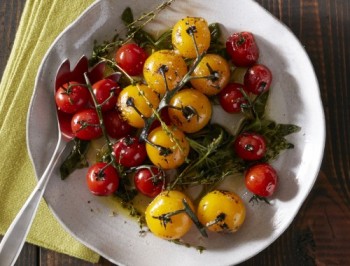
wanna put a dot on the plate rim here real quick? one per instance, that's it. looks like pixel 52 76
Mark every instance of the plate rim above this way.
pixel 322 118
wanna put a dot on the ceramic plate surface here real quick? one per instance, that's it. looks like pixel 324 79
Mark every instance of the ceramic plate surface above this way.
pixel 294 99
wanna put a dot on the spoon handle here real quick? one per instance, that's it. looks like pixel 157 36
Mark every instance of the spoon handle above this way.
pixel 13 241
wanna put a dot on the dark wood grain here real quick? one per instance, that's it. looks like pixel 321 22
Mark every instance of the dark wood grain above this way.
pixel 320 233
pixel 10 14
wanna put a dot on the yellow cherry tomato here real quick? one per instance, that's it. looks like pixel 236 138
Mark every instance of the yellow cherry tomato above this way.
pixel 136 102
pixel 182 39
pixel 194 113
pixel 173 66
pixel 171 148
pixel 166 202
pixel 215 66
pixel 221 211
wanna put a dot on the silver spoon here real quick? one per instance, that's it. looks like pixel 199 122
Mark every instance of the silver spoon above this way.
pixel 14 239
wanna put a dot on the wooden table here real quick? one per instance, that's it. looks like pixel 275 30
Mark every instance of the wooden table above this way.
pixel 320 233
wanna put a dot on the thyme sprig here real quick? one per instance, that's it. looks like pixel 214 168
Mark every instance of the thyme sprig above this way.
pixel 98 108
pixel 166 217
pixel 134 30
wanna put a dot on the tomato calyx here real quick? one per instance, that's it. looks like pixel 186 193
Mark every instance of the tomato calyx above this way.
pixel 187 111
pixel 128 140
pixel 241 40
pixel 163 151
pixel 69 89
pixel 191 30
pixel 163 69
pixel 100 174
pixel 214 75
pixel 256 198
pixel 85 124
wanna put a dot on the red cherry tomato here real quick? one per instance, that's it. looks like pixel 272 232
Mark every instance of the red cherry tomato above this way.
pixel 149 181
pixel 102 179
pixel 261 179
pixel 242 48
pixel 71 97
pixel 258 79
pixel 129 152
pixel 250 146
pixel 116 127
pixel 65 120
pixel 231 98
pixel 106 89
pixel 131 58
pixel 85 125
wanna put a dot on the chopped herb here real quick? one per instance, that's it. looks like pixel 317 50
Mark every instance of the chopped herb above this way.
pixel 76 159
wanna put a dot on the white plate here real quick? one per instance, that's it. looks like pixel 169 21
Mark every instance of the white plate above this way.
pixel 295 99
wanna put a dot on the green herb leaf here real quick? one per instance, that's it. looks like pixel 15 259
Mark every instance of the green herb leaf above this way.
pixel 76 159
pixel 142 38
pixel 215 32
pixel 211 159
pixel 274 134
pixel 164 41
pixel 127 16
pixel 216 45
pixel 260 104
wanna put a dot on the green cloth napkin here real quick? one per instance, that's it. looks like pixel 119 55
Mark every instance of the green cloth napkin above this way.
pixel 40 24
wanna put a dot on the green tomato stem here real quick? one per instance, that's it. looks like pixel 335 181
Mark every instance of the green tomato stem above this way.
pixel 98 109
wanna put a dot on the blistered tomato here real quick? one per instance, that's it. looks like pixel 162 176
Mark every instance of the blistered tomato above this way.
pixel 232 99
pixel 250 146
pixel 163 70
pixel 188 33
pixel 221 211
pixel 258 79
pixel 165 203
pixel 211 75
pixel 190 110
pixel 169 149
pixel 136 102
pixel 102 179
pixel 242 48
pixel 85 125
